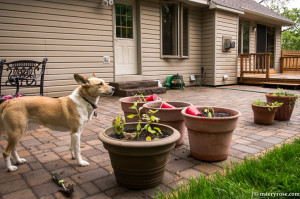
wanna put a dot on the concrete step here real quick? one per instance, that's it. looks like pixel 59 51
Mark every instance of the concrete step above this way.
pixel 133 84
pixel 138 91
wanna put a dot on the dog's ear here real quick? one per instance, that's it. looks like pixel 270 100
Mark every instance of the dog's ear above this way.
pixel 82 80
pixel 94 75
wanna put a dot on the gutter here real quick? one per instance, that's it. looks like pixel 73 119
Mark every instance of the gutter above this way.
pixel 285 22
pixel 213 5
pixel 199 1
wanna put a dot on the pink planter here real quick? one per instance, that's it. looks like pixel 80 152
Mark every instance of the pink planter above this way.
pixel 284 112
pixel 170 116
pixel 210 137
pixel 127 102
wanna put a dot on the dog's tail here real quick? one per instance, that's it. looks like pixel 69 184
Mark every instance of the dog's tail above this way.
pixel 2 107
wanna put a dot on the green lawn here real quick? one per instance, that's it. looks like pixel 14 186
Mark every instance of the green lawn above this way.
pixel 278 171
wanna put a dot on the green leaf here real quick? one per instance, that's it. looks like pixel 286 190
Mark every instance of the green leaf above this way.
pixel 158 129
pixel 131 116
pixel 153 118
pixel 205 110
pixel 138 127
pixel 153 131
pixel 152 112
pixel 149 129
pixel 156 138
pixel 132 107
pixel 141 108
pixel 209 114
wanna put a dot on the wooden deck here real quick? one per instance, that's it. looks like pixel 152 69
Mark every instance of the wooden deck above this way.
pixel 255 69
pixel 283 79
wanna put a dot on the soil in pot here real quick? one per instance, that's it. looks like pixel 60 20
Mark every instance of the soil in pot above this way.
pixel 210 137
pixel 143 136
pixel 218 114
pixel 170 116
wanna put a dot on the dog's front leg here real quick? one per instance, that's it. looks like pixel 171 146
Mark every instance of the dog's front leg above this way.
pixel 17 158
pixel 72 149
pixel 75 138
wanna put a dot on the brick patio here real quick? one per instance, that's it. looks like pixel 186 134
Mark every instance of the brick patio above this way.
pixel 47 150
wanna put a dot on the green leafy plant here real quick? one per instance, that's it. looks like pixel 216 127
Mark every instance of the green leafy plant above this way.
pixel 269 105
pixel 118 123
pixel 209 111
pixel 141 97
pixel 282 92
pixel 149 118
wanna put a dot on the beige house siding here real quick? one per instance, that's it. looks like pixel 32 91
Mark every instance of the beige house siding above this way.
pixel 74 35
pixel 207 44
pixel 277 48
pixel 155 67
pixel 226 62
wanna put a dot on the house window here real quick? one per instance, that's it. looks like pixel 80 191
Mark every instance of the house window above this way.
pixel 244 27
pixel 124 25
pixel 175 31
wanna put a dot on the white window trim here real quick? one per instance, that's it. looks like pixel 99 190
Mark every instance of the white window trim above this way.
pixel 242 36
pixel 179 32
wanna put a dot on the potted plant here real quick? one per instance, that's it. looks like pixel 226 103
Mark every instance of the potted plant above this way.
pixel 170 116
pixel 264 112
pixel 288 99
pixel 139 151
pixel 127 102
pixel 210 131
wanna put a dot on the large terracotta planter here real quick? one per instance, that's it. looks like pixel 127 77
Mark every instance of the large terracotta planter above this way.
pixel 127 102
pixel 139 164
pixel 262 114
pixel 284 113
pixel 210 137
pixel 171 117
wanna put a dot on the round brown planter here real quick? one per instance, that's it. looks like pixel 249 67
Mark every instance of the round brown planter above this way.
pixel 210 137
pixel 170 116
pixel 262 114
pixel 139 164
pixel 127 102
pixel 284 112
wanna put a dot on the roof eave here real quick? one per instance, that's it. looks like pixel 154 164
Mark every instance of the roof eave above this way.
pixel 282 21
pixel 213 5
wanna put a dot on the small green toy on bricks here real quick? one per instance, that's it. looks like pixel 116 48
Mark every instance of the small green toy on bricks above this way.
pixel 175 82
pixel 60 182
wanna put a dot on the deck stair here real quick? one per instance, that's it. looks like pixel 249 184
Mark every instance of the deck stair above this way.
pixel 281 85
pixel 131 88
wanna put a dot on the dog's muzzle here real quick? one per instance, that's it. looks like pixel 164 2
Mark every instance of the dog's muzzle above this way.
pixel 112 90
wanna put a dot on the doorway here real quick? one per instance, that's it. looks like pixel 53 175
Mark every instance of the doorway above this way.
pixel 125 38
pixel 265 42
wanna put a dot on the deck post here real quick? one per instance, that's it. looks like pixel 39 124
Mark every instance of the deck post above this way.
pixel 268 67
pixel 242 68
pixel 281 64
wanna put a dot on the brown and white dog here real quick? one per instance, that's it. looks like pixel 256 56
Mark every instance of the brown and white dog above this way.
pixel 69 113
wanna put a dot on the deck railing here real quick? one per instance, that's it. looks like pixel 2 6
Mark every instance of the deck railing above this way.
pixel 289 61
pixel 255 63
pixel 290 64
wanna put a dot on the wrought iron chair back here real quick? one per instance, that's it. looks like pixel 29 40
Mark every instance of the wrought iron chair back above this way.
pixel 23 73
